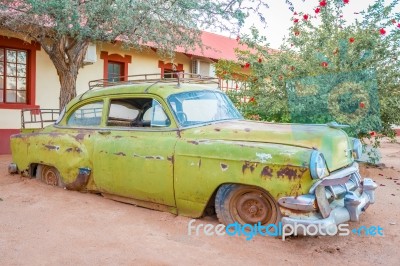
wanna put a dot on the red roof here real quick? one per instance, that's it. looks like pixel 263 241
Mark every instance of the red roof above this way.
pixel 221 47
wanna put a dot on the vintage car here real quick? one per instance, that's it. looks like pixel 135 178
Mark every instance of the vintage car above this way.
pixel 180 145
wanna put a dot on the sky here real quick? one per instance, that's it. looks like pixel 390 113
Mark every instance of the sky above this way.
pixel 278 17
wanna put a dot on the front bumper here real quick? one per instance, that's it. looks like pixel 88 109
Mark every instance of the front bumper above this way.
pixel 336 199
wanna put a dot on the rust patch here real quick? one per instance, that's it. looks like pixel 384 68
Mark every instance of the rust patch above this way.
pixel 52 147
pixel 80 136
pixel 248 165
pixel 170 158
pixel 224 167
pixel 290 173
pixel 267 171
pixel 193 142
pixel 120 154
pixel 76 149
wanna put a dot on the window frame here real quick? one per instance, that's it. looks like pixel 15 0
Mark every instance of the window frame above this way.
pixel 116 58
pixel 30 48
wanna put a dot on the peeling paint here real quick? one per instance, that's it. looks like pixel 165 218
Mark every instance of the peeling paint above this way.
pixel 263 157
pixel 151 157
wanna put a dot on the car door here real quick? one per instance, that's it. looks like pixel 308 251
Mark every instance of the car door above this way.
pixel 133 154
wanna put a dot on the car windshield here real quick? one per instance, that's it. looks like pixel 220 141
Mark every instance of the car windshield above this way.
pixel 199 107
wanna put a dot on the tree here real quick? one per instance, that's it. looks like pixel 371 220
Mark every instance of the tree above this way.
pixel 64 28
pixel 327 69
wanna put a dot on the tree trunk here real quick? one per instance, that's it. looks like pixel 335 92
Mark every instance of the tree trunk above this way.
pixel 68 86
pixel 67 56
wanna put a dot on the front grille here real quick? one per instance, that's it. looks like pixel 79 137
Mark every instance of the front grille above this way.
pixel 338 191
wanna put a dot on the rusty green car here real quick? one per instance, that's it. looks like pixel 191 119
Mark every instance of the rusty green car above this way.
pixel 179 145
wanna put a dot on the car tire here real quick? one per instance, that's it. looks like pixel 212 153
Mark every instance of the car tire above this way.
pixel 49 175
pixel 245 205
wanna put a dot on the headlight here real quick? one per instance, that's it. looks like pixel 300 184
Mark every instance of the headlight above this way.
pixel 317 165
pixel 357 149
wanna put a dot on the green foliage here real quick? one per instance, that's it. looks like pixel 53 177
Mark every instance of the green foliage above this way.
pixel 64 28
pixel 328 69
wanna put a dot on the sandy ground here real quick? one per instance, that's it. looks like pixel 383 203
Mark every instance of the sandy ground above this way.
pixel 43 225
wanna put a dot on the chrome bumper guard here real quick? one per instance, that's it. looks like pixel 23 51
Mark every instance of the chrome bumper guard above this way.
pixel 340 197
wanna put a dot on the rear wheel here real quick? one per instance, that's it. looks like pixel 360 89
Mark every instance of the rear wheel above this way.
pixel 245 205
pixel 49 175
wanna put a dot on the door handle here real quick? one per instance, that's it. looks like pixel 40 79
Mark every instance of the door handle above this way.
pixel 104 132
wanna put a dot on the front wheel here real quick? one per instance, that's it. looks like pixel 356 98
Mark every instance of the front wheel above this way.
pixel 245 205
pixel 49 175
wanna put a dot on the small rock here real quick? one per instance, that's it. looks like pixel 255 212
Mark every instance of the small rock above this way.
pixel 382 185
pixel 393 194
pixel 392 223
pixel 1 199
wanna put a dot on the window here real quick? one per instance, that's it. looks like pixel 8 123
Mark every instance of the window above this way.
pixel 13 75
pixel 137 112
pixel 186 106
pixel 17 73
pixel 168 70
pixel 87 115
pixel 115 71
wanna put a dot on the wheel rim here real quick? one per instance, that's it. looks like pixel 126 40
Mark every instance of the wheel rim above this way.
pixel 251 206
pixel 49 176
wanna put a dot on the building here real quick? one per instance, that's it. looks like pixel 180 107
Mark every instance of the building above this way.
pixel 28 78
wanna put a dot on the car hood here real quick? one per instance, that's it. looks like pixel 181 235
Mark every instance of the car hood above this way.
pixel 333 143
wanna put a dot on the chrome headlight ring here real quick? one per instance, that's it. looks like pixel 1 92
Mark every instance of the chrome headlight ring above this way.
pixel 317 165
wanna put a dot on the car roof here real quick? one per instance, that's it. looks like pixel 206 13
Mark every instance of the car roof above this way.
pixel 163 90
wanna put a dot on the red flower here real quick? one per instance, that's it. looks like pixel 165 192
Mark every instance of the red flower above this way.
pixel 346 1
pixel 372 133
pixel 247 65
pixel 237 38
pixel 252 100
pixel 398 25
pixel 305 17
pixel 259 60
pixel 292 68
pixel 295 13
pixel 362 104
pixel 322 3
pixel 324 64
pixel 382 31
pixel 317 10
pixel 393 21
pixel 297 33
pixel 351 40
pixel 296 20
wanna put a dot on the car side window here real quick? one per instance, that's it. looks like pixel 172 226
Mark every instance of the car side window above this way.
pixel 87 115
pixel 137 112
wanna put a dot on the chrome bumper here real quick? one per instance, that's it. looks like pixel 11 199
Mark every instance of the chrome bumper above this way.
pixel 336 199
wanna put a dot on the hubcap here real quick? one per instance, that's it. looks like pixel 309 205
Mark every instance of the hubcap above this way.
pixel 252 208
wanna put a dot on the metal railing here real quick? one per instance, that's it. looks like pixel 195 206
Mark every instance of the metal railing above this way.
pixel 37 116
pixel 176 77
